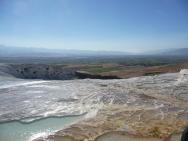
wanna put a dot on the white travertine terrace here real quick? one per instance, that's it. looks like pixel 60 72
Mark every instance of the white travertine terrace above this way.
pixel 146 106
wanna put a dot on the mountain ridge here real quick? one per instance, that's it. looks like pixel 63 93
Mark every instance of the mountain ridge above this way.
pixel 11 51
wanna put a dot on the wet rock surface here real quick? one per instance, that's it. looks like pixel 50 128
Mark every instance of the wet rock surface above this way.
pixel 147 107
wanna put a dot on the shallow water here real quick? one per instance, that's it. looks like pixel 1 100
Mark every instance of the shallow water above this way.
pixel 29 108
pixel 17 131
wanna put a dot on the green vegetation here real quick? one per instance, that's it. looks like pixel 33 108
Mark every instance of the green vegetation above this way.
pixel 121 60
pixel 101 69
pixel 152 73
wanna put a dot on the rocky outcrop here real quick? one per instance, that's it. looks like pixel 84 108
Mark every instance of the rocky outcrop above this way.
pixel 39 71
pixel 50 72
pixel 67 72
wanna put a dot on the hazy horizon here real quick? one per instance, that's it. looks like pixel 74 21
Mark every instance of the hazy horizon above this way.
pixel 100 25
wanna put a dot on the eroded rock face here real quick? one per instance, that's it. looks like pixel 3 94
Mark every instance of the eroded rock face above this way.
pixel 40 71
pixel 152 106
pixel 49 72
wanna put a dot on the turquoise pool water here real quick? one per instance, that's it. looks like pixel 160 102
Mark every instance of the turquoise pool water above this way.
pixel 17 131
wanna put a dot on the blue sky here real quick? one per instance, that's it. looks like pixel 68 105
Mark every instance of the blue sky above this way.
pixel 120 25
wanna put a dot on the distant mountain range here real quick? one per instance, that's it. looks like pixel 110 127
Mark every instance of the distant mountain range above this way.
pixel 175 52
pixel 9 51
pixel 167 52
